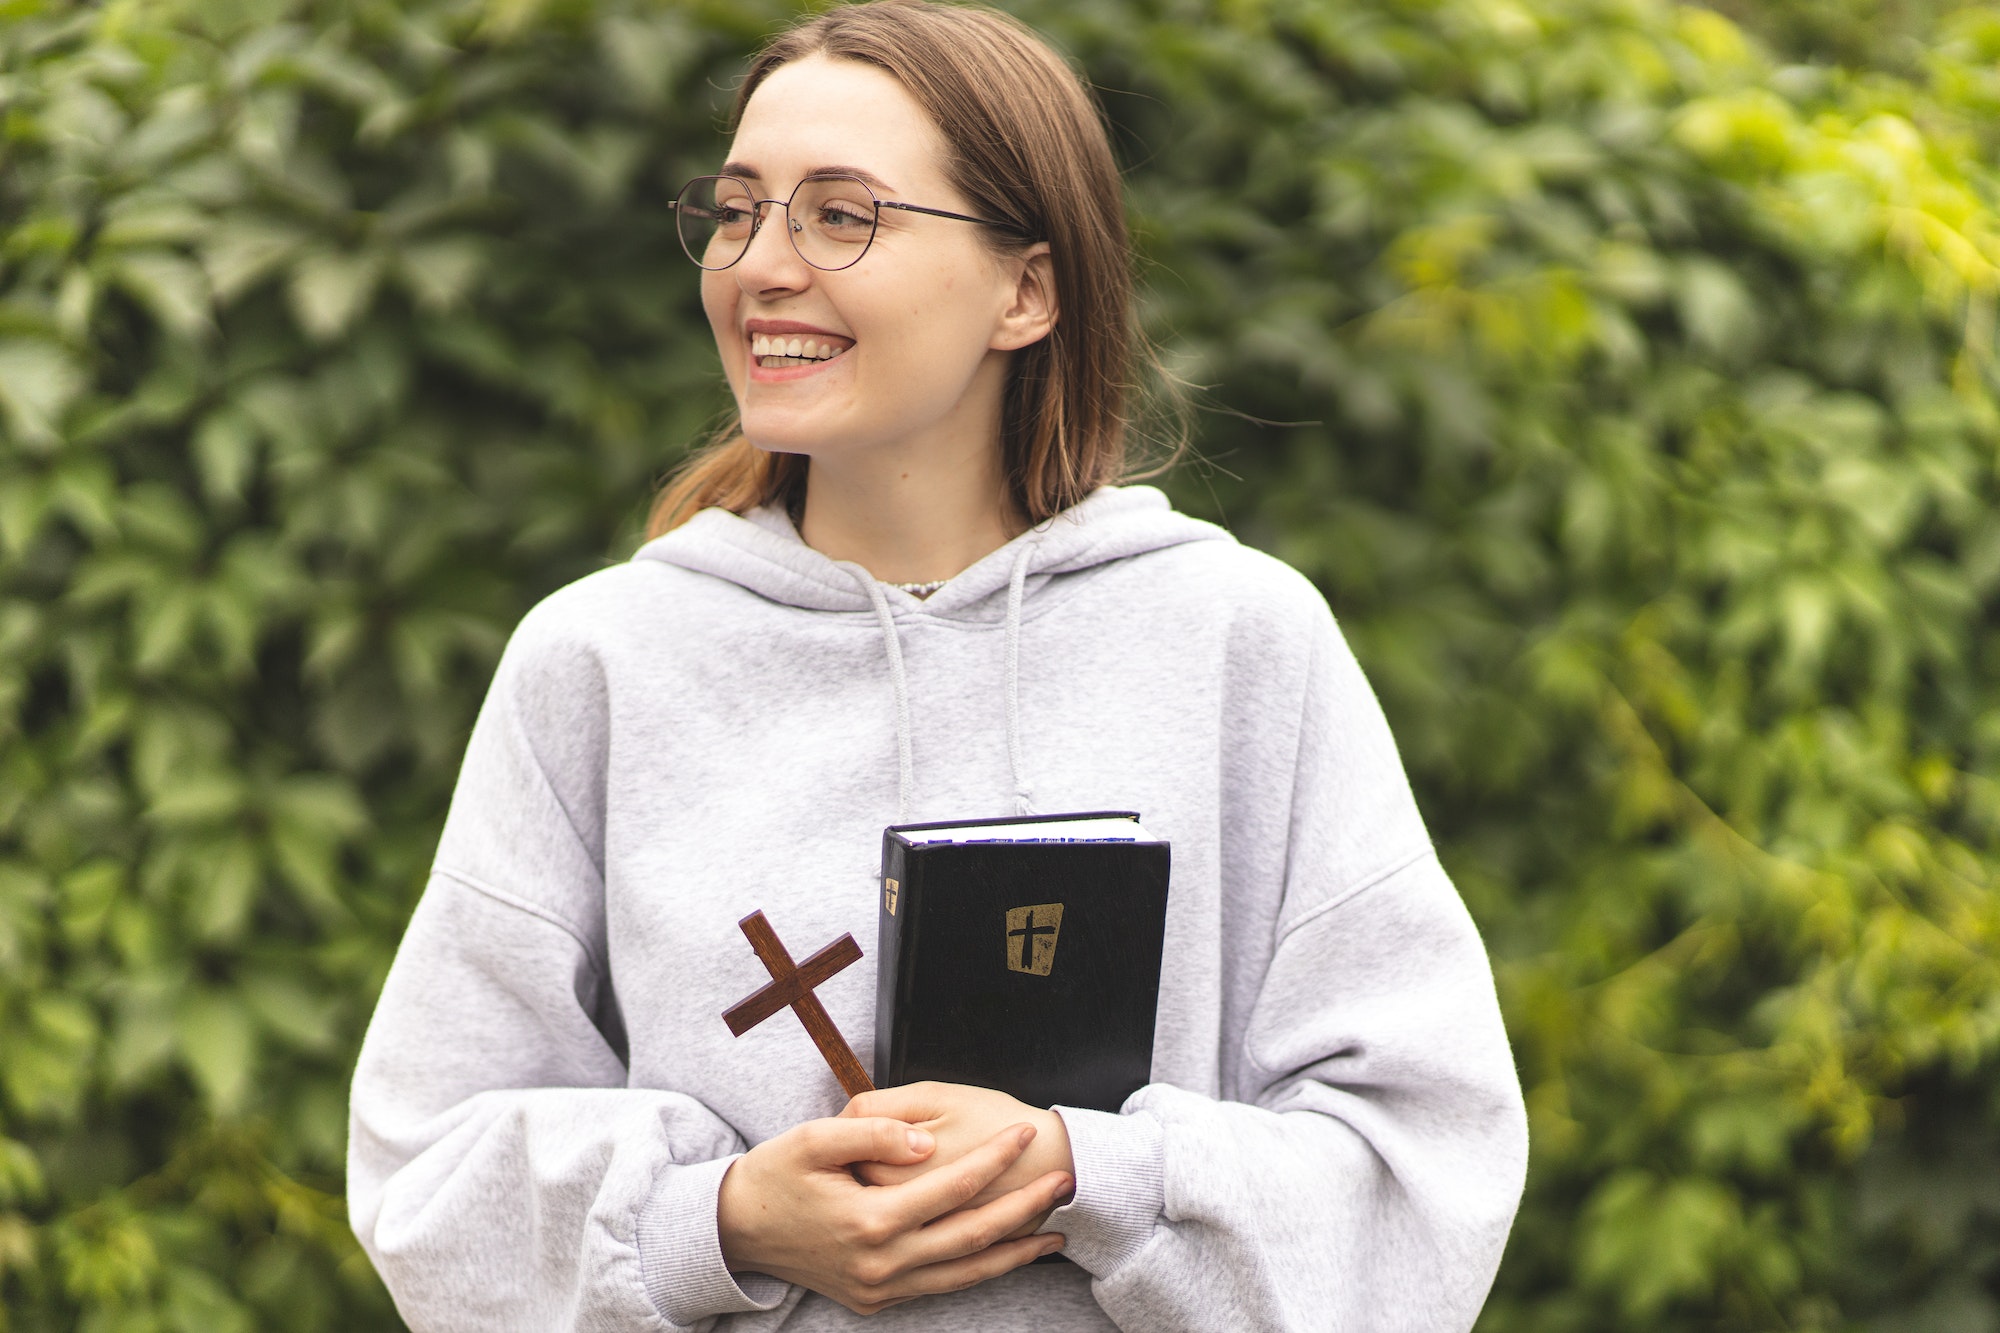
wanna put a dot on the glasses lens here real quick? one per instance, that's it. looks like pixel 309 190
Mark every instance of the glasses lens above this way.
pixel 833 220
pixel 716 215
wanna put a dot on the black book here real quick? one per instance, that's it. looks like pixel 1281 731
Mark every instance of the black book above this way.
pixel 1022 954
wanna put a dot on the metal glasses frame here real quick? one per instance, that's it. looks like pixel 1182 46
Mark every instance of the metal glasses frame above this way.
pixel 793 227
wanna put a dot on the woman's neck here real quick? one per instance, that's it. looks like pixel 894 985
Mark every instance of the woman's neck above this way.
pixel 910 516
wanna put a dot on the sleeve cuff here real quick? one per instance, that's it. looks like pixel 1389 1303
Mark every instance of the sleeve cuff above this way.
pixel 1120 1188
pixel 680 1251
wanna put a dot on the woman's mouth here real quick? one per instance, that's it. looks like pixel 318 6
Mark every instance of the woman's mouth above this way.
pixel 776 351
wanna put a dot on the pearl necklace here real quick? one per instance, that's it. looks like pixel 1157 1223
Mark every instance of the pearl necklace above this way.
pixel 920 590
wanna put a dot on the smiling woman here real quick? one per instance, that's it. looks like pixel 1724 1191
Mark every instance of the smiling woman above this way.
pixel 1027 161
pixel 931 312
pixel 904 586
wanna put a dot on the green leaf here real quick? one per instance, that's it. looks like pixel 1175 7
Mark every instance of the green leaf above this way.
pixel 321 806
pixel 87 894
pixel 292 1012
pixel 75 300
pixel 440 273
pixel 241 251
pixel 224 891
pixel 1715 310
pixel 171 287
pixel 149 219
pixel 218 1044
pixel 329 291
pixel 648 54
pixel 164 627
pixel 86 491
pixel 111 1262
pixel 197 1303
pixel 21 1176
pixel 24 502
pixel 225 449
pixel 198 799
pixel 1657 1241
pixel 143 1035
pixel 45 1062
pixel 180 119
pixel 37 381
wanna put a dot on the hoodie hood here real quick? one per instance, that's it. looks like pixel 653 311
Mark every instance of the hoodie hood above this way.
pixel 762 553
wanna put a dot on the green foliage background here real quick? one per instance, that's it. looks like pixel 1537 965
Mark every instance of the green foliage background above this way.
pixel 1628 382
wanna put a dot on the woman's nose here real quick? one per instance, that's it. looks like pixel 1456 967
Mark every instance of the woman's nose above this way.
pixel 772 262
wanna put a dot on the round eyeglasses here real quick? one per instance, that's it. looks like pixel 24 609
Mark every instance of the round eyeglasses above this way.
pixel 831 219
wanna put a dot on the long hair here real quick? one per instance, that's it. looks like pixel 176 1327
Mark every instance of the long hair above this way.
pixel 1025 145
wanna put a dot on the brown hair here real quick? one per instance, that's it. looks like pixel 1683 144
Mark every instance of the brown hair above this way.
pixel 1026 145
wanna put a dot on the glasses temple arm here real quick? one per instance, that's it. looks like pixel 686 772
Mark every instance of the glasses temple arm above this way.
pixel 956 217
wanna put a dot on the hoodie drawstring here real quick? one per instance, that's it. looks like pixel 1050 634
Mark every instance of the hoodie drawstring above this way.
pixel 1017 583
pixel 899 681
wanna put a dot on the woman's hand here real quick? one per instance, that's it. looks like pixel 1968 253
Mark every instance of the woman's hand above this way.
pixel 791 1207
pixel 961 1118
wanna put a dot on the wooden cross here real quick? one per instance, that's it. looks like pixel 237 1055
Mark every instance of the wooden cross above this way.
pixel 792 984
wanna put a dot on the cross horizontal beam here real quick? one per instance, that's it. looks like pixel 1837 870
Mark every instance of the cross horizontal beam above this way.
pixel 809 976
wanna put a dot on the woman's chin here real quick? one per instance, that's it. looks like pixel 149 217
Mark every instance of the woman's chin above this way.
pixel 783 441
pixel 793 432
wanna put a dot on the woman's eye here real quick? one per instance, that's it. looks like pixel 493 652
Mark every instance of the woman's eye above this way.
pixel 842 217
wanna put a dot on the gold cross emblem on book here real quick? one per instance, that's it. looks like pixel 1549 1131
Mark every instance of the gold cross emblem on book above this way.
pixel 1031 938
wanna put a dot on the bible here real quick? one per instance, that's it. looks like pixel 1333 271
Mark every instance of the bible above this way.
pixel 1022 954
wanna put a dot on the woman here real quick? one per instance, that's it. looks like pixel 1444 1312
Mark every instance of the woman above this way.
pixel 906 592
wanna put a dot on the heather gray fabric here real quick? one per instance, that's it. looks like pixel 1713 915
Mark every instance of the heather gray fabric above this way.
pixel 548 1098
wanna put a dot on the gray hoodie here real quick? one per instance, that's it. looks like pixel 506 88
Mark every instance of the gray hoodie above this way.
pixel 547 1097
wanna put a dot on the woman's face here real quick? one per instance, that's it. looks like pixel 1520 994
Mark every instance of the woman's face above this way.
pixel 921 326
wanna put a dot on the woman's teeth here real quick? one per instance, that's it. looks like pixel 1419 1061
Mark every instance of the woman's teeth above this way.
pixel 775 351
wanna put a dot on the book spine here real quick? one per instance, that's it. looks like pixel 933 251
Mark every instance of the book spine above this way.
pixel 892 911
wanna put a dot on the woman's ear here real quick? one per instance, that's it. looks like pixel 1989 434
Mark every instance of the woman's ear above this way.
pixel 1032 312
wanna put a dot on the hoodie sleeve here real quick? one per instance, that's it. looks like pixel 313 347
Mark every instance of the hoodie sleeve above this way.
pixel 501 1175
pixel 1369 1173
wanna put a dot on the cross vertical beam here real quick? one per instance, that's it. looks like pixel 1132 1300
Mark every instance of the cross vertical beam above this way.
pixel 792 986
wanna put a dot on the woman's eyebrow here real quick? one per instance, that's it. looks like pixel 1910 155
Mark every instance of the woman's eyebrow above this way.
pixel 866 177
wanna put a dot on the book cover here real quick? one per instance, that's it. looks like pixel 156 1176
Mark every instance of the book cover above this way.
pixel 1022 954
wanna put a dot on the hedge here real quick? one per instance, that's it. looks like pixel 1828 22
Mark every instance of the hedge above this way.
pixel 1629 390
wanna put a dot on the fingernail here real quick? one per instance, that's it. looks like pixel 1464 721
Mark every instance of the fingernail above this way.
pixel 1052 1244
pixel 1027 1135
pixel 921 1142
pixel 1066 1187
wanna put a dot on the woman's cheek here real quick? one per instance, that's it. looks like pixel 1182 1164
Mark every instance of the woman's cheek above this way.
pixel 721 312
